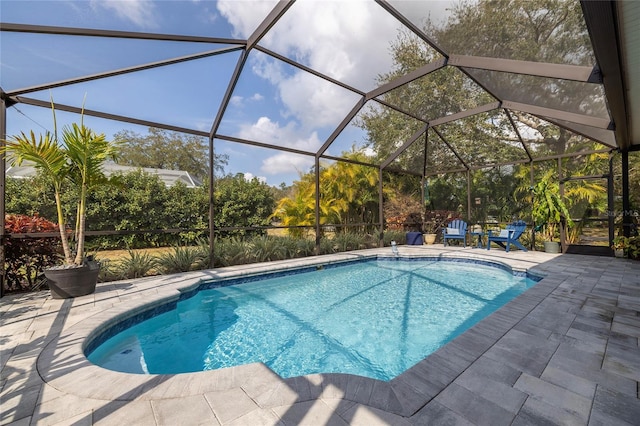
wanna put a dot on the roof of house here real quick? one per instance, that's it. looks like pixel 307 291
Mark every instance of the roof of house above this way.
pixel 168 177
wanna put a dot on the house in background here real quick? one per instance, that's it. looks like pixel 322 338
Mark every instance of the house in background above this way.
pixel 168 177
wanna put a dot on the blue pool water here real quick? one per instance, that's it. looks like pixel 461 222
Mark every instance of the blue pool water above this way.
pixel 374 318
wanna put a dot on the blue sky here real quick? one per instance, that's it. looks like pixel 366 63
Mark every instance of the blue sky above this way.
pixel 273 102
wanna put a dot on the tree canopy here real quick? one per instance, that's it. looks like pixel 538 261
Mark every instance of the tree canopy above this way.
pixel 551 31
pixel 348 195
pixel 537 30
pixel 162 149
pixel 241 202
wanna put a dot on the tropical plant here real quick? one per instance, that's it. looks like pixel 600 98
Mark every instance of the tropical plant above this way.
pixel 326 246
pixel 109 270
pixel 204 253
pixel 346 241
pixel 137 265
pixel 305 247
pixel 634 247
pixel 350 190
pixel 348 195
pixel 179 259
pixel 265 248
pixel 293 247
pixel 620 243
pixel 231 251
pixel 298 210
pixel 549 210
pixel 400 237
pixel 76 159
pixel 26 258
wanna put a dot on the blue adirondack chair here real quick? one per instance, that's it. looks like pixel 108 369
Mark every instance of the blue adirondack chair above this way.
pixel 455 230
pixel 508 236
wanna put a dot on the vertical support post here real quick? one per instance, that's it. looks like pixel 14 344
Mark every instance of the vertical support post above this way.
pixel 423 194
pixel 563 241
pixel 423 181
pixel 610 201
pixel 381 208
pixel 317 216
pixel 533 220
pixel 3 136
pixel 211 202
pixel 626 204
pixel 214 129
pixel 424 166
pixel 469 195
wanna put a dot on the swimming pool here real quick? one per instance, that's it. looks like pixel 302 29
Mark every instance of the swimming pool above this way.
pixel 373 318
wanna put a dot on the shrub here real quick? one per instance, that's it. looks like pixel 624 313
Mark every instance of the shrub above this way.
pixel 180 259
pixel 204 253
pixel 634 247
pixel 26 258
pixel 400 237
pixel 289 246
pixel 137 265
pixel 305 247
pixel 108 270
pixel 326 246
pixel 266 249
pixel 347 241
pixel 231 251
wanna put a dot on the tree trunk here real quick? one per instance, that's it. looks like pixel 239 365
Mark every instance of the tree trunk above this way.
pixel 80 228
pixel 63 231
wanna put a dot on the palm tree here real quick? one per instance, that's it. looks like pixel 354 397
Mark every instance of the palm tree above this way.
pixel 299 209
pixel 48 157
pixel 548 208
pixel 78 159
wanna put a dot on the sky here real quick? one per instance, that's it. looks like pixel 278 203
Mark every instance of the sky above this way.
pixel 273 102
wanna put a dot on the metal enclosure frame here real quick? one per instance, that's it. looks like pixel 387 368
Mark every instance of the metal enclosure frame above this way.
pixel 601 18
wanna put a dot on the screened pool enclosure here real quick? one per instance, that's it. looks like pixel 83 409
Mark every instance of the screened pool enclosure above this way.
pixel 461 106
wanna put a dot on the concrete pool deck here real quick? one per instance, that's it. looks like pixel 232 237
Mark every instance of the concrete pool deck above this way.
pixel 565 352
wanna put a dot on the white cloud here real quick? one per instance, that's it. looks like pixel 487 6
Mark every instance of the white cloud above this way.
pixel 236 101
pixel 140 12
pixel 270 70
pixel 248 176
pixel 286 162
pixel 347 40
pixel 239 101
pixel 314 102
pixel 271 132
pixel 245 16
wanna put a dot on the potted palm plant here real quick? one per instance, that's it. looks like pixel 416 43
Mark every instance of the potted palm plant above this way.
pixel 620 246
pixel 549 211
pixel 72 163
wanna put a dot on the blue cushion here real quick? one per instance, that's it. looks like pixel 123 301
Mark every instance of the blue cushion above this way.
pixel 414 238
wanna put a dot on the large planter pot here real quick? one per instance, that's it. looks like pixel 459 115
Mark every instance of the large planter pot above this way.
pixel 430 238
pixel 551 247
pixel 73 282
pixel 619 253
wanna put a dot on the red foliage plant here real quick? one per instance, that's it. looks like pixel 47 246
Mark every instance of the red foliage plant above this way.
pixel 27 257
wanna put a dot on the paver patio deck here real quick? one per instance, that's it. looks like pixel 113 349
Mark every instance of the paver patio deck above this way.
pixel 565 352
